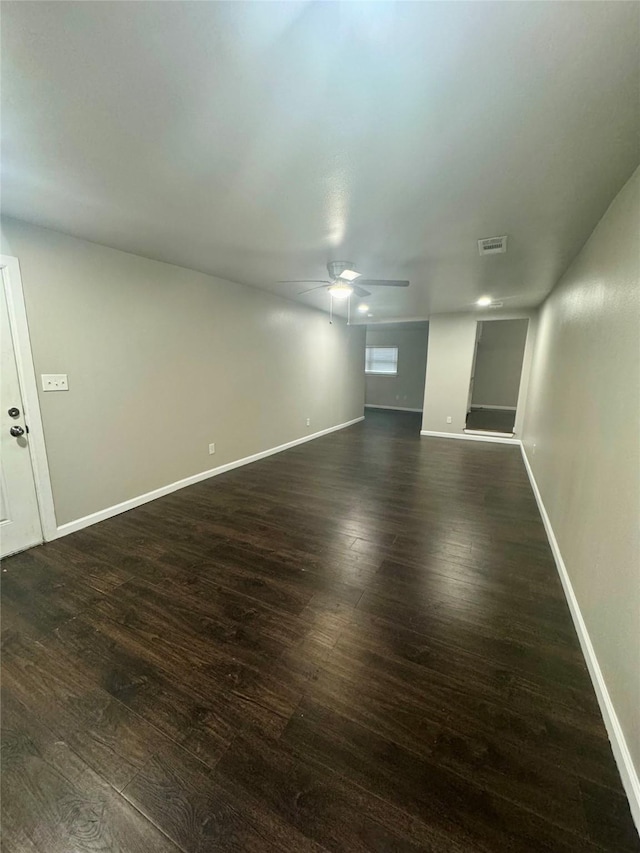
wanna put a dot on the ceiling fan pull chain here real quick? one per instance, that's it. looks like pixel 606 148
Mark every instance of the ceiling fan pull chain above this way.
pixel 330 309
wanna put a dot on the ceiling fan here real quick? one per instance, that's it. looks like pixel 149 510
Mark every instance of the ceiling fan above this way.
pixel 341 284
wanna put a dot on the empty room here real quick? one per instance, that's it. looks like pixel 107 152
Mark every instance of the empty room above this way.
pixel 320 410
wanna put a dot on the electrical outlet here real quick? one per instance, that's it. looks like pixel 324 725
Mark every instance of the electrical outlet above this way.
pixel 533 453
pixel 54 382
pixel 308 421
pixel 212 448
pixel 449 419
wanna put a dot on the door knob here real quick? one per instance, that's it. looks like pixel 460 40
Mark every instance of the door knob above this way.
pixel 16 431
pixel 13 412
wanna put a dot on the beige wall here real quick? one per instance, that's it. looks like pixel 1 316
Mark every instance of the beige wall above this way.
pixel 582 437
pixel 499 363
pixel 406 390
pixel 162 361
pixel 449 361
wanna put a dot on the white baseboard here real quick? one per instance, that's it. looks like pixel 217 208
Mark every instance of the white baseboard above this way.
pixel 621 753
pixel 488 432
pixel 491 406
pixel 101 515
pixel 391 408
pixel 496 438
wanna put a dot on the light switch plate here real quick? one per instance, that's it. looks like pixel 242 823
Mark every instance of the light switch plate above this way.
pixel 55 382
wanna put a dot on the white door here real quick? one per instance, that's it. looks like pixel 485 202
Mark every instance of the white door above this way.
pixel 20 526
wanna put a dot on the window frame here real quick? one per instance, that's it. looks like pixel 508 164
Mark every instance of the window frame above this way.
pixel 381 372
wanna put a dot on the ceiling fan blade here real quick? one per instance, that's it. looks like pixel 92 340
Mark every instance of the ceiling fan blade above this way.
pixel 304 281
pixel 382 282
pixel 360 291
pixel 311 289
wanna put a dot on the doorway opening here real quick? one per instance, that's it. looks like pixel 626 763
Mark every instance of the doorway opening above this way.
pixel 495 376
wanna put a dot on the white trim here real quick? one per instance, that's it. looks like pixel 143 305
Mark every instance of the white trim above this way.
pixel 497 438
pixel 491 406
pixel 490 432
pixel 619 746
pixel 110 511
pixel 391 408
pixel 12 283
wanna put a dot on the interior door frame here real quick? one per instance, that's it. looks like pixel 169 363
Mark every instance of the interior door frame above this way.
pixel 525 366
pixel 12 284
pixel 473 364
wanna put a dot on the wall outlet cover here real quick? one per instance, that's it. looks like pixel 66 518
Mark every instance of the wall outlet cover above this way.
pixel 449 419
pixel 55 382
pixel 212 448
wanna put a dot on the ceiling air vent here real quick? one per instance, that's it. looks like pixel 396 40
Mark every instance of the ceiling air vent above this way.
pixel 492 246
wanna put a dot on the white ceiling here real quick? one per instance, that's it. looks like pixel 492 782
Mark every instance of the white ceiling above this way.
pixel 257 141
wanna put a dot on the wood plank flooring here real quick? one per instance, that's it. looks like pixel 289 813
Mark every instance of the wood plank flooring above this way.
pixel 492 420
pixel 358 645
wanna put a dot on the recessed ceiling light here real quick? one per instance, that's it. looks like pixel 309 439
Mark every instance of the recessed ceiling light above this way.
pixel 363 308
pixel 349 275
pixel 340 291
pixel 484 301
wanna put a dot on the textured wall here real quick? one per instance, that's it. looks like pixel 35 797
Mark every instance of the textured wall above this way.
pixel 406 390
pixel 162 361
pixel 499 363
pixel 452 340
pixel 582 436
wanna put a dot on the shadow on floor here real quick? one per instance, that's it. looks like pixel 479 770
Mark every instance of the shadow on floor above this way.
pixel 492 420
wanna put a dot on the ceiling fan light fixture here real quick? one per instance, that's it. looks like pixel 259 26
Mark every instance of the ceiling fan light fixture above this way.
pixel 340 291
pixel 362 308
pixel 349 275
pixel 484 301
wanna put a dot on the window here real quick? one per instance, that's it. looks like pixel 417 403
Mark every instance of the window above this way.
pixel 383 360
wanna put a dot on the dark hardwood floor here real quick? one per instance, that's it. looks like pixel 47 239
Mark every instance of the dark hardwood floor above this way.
pixel 358 645
pixel 491 420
